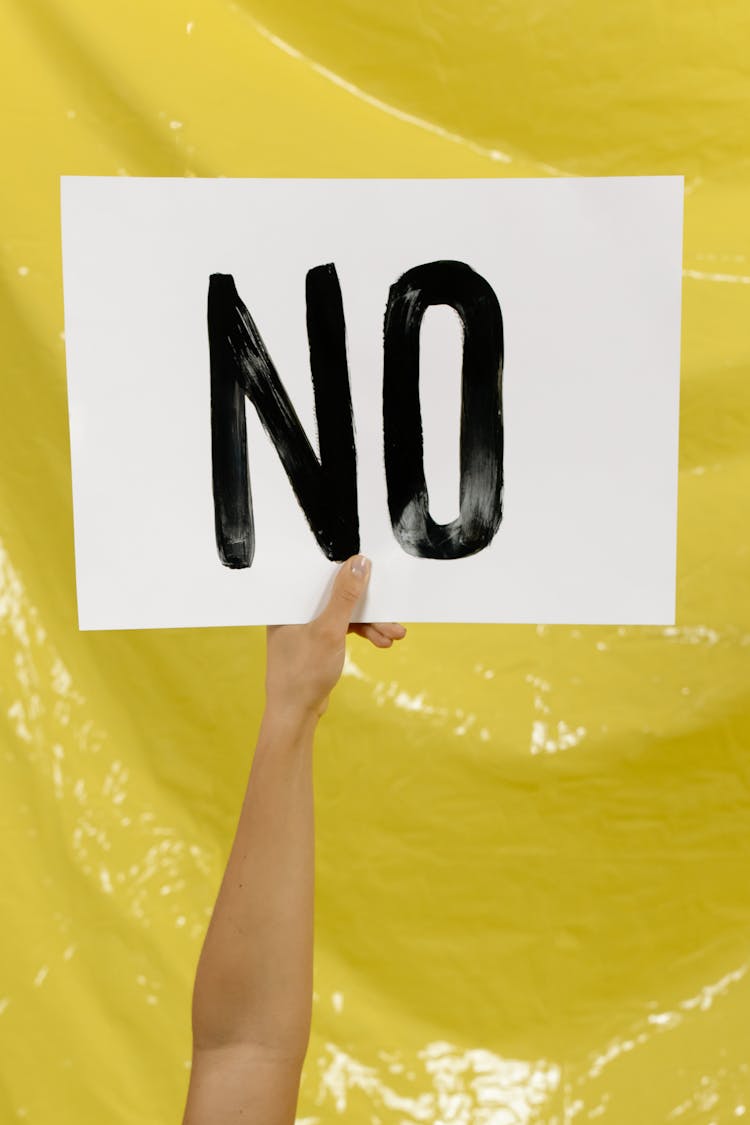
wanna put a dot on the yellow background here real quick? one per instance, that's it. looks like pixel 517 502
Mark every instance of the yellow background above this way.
pixel 533 844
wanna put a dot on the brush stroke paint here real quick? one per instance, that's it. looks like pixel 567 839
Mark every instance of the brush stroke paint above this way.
pixel 481 442
pixel 326 489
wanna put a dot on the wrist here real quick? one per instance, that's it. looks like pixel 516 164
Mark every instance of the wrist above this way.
pixel 285 721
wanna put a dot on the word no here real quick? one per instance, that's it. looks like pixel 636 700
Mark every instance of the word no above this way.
pixel 326 489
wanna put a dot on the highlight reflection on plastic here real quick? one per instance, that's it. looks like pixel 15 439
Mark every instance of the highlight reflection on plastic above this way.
pixel 532 843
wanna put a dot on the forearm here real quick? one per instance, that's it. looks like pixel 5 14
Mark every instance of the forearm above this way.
pixel 254 977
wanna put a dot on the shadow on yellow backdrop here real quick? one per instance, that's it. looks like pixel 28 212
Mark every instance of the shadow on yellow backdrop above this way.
pixel 532 842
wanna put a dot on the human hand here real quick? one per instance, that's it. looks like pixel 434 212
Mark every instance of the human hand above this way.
pixel 304 662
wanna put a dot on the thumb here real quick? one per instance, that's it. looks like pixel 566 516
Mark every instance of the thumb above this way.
pixel 348 587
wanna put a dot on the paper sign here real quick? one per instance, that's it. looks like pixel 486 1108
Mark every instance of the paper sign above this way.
pixel 473 382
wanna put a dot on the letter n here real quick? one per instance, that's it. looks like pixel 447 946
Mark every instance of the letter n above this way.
pixel 326 489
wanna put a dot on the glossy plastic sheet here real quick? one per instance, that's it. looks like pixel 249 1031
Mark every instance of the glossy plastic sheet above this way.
pixel 533 901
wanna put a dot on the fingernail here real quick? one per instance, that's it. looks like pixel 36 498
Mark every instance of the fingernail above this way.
pixel 360 565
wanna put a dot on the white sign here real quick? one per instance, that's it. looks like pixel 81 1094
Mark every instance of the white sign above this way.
pixel 473 382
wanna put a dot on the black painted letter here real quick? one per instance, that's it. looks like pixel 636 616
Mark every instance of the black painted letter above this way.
pixel 240 365
pixel 481 456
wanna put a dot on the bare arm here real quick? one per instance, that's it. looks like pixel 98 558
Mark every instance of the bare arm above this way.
pixel 254 977
pixel 252 998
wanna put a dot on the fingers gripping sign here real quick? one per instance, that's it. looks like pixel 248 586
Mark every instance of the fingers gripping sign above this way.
pixel 304 662
pixel 349 586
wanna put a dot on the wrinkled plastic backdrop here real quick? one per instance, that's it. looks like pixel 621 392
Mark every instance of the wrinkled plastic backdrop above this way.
pixel 533 844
